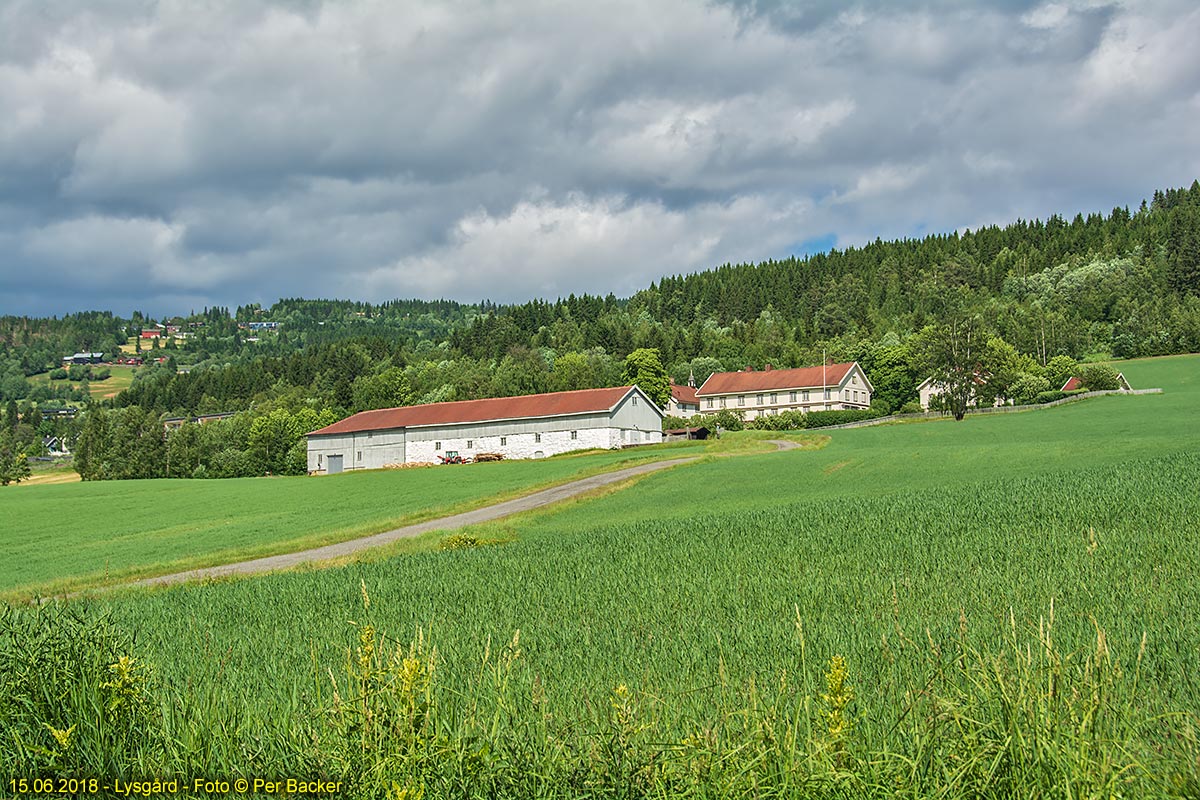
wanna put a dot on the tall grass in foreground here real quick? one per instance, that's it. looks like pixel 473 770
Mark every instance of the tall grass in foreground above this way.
pixel 1022 718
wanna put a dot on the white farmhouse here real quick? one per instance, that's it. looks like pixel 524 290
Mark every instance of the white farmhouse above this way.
pixel 532 426
pixel 770 391
pixel 683 402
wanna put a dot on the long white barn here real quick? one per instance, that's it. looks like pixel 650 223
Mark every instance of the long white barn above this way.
pixel 531 426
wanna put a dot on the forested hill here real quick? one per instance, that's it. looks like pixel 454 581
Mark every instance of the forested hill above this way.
pixel 1125 284
pixel 1122 284
pixel 1041 294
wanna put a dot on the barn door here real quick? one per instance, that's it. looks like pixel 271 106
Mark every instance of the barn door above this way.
pixel 335 465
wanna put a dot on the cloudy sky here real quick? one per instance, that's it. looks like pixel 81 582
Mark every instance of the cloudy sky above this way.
pixel 169 155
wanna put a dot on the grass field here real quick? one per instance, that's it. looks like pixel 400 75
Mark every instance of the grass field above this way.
pixel 1011 601
pixel 143 528
pixel 120 380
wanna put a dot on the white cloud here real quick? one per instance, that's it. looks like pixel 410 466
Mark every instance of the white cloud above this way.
pixel 374 149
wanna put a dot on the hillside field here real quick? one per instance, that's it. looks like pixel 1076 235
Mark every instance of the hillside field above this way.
pixel 121 378
pixel 1000 607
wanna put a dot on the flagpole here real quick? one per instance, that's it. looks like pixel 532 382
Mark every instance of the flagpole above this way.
pixel 824 381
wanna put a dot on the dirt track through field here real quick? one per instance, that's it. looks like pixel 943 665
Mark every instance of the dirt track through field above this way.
pixel 485 514
pixel 496 511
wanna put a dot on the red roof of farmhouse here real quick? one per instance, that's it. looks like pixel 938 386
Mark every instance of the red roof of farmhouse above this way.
pixel 554 404
pixel 757 381
pixel 1072 384
pixel 683 394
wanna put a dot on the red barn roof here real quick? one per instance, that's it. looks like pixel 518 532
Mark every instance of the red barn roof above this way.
pixel 583 401
pixel 1072 384
pixel 754 381
pixel 683 394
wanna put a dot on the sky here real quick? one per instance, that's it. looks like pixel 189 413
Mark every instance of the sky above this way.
pixel 167 156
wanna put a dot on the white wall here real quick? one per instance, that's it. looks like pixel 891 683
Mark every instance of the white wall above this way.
pixel 362 450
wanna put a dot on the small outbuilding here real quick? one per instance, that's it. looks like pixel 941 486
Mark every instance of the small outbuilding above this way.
pixel 530 426
pixel 673 434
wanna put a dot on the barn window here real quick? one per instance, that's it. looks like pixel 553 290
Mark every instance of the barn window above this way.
pixel 503 441
pixel 537 438
pixel 370 434
pixel 470 444
pixel 574 434
pixel 319 457
pixel 437 445
pixel 635 400
pixel 360 455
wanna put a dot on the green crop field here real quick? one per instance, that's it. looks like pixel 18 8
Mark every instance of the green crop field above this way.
pixel 1001 607
pixel 69 536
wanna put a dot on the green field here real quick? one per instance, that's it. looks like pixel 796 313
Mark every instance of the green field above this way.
pixel 120 379
pixel 1014 597
pixel 65 537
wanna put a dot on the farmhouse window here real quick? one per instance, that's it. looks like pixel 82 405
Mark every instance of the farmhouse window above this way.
pixel 503 441
pixel 774 398
pixel 758 399
pixel 710 402
pixel 634 402
pixel 722 402
pixel 741 399
pixel 319 457
pixel 791 397
pixel 470 444
pixel 537 438
pixel 574 434
pixel 437 445
pixel 826 394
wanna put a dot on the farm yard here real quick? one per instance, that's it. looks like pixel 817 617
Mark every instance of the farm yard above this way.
pixel 1000 607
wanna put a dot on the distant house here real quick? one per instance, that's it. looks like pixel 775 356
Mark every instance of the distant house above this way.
pixel 151 333
pixel 263 326
pixel 770 391
pixel 931 388
pixel 683 401
pixel 1074 384
pixel 55 446
pixel 531 426
pixel 174 423
pixel 84 358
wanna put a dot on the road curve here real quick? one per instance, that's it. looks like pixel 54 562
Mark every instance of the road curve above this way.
pixel 486 514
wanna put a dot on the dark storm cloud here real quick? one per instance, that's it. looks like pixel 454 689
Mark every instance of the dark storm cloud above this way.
pixel 156 157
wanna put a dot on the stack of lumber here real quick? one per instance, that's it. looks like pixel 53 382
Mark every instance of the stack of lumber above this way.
pixel 489 456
